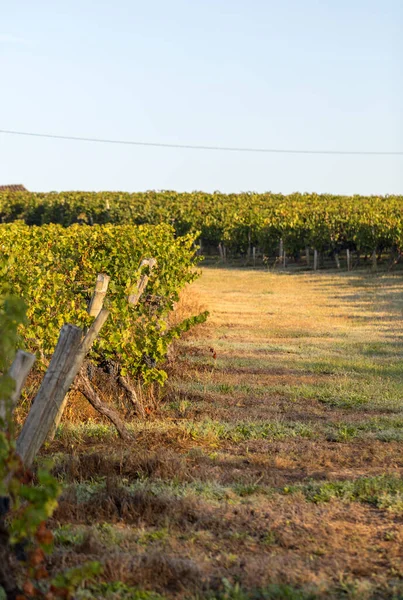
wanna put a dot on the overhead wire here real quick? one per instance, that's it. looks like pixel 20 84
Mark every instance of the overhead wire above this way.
pixel 203 147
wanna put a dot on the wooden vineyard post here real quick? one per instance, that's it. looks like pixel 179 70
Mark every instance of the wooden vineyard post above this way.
pixel 94 308
pixel 315 260
pixel 19 371
pixel 337 260
pixel 98 297
pixel 66 362
pixel 307 257
pixel 348 260
pixel 133 299
pixel 142 282
pixel 50 396
pixel 220 250
pixel 281 250
pixel 374 261
pixel 254 256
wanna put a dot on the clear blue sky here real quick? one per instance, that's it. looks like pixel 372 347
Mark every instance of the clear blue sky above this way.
pixel 303 74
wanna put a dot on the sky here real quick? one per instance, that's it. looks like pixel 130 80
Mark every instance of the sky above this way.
pixel 289 74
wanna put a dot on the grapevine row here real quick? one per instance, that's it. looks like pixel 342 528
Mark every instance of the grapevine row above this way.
pixel 327 223
pixel 53 270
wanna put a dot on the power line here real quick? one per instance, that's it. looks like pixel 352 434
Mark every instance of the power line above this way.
pixel 201 147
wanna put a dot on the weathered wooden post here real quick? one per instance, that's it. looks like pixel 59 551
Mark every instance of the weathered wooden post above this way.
pixel 307 257
pixel 50 396
pixel 94 308
pixel 315 260
pixel 142 282
pixel 337 260
pixel 254 256
pixel 98 297
pixel 133 300
pixel 66 362
pixel 374 260
pixel 348 260
pixel 18 371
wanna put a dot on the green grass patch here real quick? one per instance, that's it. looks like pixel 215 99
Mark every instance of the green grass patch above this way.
pixel 116 590
pixel 385 429
pixel 376 393
pixel 272 592
pixel 384 491
pixel 206 430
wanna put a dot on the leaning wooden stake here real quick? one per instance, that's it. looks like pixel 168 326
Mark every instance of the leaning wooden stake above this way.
pixel 98 297
pixel 133 300
pixel 19 371
pixel 50 396
pixel 64 366
pixel 94 308
pixel 142 282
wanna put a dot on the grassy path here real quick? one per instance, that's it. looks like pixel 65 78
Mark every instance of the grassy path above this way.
pixel 275 461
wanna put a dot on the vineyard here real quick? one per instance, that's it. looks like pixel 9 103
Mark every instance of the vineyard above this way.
pixel 258 457
pixel 236 222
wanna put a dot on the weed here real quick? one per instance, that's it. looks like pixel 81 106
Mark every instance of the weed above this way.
pixel 269 538
pixel 158 535
pixel 344 433
pixel 68 535
pixel 116 590
pixel 225 388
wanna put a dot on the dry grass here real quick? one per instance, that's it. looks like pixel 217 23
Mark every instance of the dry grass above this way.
pixel 277 463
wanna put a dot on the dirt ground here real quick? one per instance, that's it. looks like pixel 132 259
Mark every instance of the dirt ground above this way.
pixel 271 466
